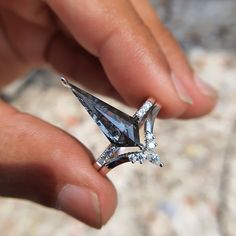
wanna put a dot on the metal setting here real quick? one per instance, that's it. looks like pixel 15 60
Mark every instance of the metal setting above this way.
pixel 121 130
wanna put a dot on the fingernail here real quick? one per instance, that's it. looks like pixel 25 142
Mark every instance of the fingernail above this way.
pixel 181 90
pixel 81 203
pixel 205 88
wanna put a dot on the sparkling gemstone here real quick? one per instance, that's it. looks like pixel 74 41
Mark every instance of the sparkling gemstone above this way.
pixel 143 156
pixel 137 156
pixel 141 112
pixel 154 158
pixel 149 136
pixel 147 105
pixel 141 160
pixel 120 128
pixel 152 145
pixel 133 157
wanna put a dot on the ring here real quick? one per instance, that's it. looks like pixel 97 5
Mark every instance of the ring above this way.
pixel 122 130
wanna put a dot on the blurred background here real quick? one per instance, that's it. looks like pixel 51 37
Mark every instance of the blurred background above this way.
pixel 195 193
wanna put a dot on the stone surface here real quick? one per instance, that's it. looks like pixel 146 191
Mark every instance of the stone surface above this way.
pixel 193 194
pixel 208 24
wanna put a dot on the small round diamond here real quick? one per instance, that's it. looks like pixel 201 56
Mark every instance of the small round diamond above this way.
pixel 142 112
pixel 152 145
pixel 146 106
pixel 154 158
pixel 138 156
pixel 132 158
pixel 150 136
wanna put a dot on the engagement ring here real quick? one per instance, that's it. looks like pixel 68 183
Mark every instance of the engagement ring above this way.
pixel 122 130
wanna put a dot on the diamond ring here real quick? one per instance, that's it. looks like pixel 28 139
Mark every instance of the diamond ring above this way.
pixel 122 130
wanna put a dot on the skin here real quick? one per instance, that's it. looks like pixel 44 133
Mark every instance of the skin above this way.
pixel 117 48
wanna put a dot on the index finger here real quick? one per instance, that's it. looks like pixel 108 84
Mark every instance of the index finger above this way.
pixel 130 56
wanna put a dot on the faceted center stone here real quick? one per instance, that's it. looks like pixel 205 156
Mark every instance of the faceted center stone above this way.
pixel 120 128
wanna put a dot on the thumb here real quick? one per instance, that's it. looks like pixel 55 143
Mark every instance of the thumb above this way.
pixel 44 164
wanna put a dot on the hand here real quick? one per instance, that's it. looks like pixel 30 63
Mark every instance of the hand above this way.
pixel 118 48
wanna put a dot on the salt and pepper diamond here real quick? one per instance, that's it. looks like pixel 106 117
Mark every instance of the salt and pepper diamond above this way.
pixel 121 129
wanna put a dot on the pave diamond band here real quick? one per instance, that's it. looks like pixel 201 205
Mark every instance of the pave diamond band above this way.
pixel 121 130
